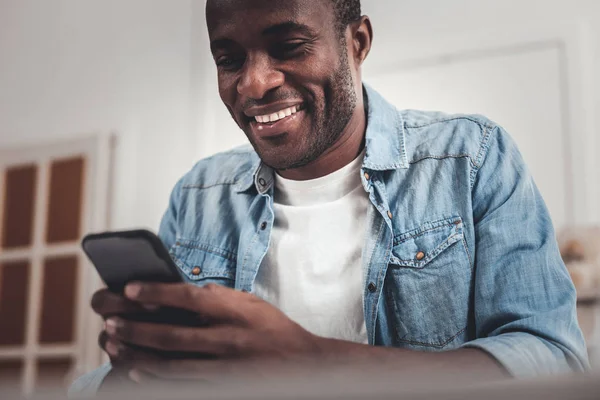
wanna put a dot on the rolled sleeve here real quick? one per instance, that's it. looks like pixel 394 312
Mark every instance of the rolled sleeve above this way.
pixel 524 299
pixel 527 356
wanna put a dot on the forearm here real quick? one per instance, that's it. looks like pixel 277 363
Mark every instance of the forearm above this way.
pixel 462 364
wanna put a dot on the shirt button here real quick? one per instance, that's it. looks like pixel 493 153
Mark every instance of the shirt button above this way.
pixel 390 214
pixel 420 256
pixel 196 271
pixel 263 226
pixel 372 287
pixel 367 176
pixel 262 182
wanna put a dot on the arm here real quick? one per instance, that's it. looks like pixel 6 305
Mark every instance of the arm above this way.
pixel 525 301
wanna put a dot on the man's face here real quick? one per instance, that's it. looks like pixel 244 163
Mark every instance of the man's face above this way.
pixel 284 75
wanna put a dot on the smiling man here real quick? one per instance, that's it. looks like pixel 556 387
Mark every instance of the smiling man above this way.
pixel 348 230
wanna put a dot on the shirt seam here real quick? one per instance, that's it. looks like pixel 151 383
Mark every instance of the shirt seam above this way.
pixel 442 157
pixel 444 120
pixel 434 225
pixel 200 187
pixel 481 154
pixel 184 243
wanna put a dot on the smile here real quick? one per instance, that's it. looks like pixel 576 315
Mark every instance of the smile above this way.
pixel 277 116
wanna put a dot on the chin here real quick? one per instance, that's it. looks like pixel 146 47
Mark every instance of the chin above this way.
pixel 279 159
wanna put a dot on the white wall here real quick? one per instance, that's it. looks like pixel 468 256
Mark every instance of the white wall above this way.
pixel 75 67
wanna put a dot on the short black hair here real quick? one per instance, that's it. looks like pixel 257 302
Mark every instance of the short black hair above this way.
pixel 346 12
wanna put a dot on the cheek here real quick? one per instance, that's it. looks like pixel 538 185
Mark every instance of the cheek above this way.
pixel 227 91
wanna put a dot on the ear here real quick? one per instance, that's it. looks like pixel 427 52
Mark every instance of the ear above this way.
pixel 362 38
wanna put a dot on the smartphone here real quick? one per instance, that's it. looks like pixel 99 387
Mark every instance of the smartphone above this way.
pixel 137 256
pixel 124 257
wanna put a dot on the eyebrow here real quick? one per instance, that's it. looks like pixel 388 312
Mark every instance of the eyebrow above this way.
pixel 278 29
pixel 287 27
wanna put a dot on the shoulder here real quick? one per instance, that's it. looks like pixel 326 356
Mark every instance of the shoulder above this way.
pixel 433 134
pixel 222 169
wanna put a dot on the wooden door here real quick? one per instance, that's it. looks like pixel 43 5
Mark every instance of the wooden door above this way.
pixel 50 196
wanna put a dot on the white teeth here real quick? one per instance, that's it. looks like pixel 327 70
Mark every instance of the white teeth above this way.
pixel 276 116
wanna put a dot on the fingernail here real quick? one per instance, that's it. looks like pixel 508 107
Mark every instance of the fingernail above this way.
pixel 133 290
pixel 111 325
pixel 112 348
pixel 135 376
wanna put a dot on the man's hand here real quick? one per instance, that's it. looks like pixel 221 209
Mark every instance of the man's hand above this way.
pixel 108 304
pixel 242 332
pixel 245 335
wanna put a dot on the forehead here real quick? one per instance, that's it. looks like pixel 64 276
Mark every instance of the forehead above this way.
pixel 229 18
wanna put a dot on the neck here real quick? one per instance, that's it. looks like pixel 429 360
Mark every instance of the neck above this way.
pixel 341 153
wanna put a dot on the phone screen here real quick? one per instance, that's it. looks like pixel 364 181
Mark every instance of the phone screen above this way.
pixel 120 259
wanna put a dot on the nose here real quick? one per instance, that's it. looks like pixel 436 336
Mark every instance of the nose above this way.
pixel 259 77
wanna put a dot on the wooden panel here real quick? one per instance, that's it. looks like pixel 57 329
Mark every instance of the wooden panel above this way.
pixel 14 285
pixel 10 376
pixel 51 374
pixel 19 196
pixel 64 209
pixel 58 300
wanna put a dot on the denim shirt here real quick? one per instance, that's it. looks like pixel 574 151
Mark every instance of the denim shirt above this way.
pixel 460 251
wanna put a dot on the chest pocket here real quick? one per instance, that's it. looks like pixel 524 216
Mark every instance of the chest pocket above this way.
pixel 428 286
pixel 202 264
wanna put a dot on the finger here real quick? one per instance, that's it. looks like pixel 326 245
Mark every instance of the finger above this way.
pixel 140 377
pixel 106 304
pixel 211 301
pixel 103 341
pixel 214 340
pixel 129 355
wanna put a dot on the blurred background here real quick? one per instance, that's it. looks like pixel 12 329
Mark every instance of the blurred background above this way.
pixel 104 104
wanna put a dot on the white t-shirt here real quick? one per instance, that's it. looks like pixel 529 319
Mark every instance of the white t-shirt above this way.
pixel 313 269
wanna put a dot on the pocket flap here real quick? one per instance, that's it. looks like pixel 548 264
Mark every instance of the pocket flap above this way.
pixel 199 261
pixel 416 248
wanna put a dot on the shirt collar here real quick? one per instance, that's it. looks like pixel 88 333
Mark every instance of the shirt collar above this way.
pixel 385 136
pixel 385 144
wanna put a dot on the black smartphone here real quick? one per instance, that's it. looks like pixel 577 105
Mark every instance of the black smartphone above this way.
pixel 137 256
pixel 124 257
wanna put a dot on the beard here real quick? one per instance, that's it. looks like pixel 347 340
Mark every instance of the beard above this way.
pixel 329 119
pixel 330 115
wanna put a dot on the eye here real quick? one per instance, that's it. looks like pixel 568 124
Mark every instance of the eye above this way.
pixel 229 63
pixel 289 49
